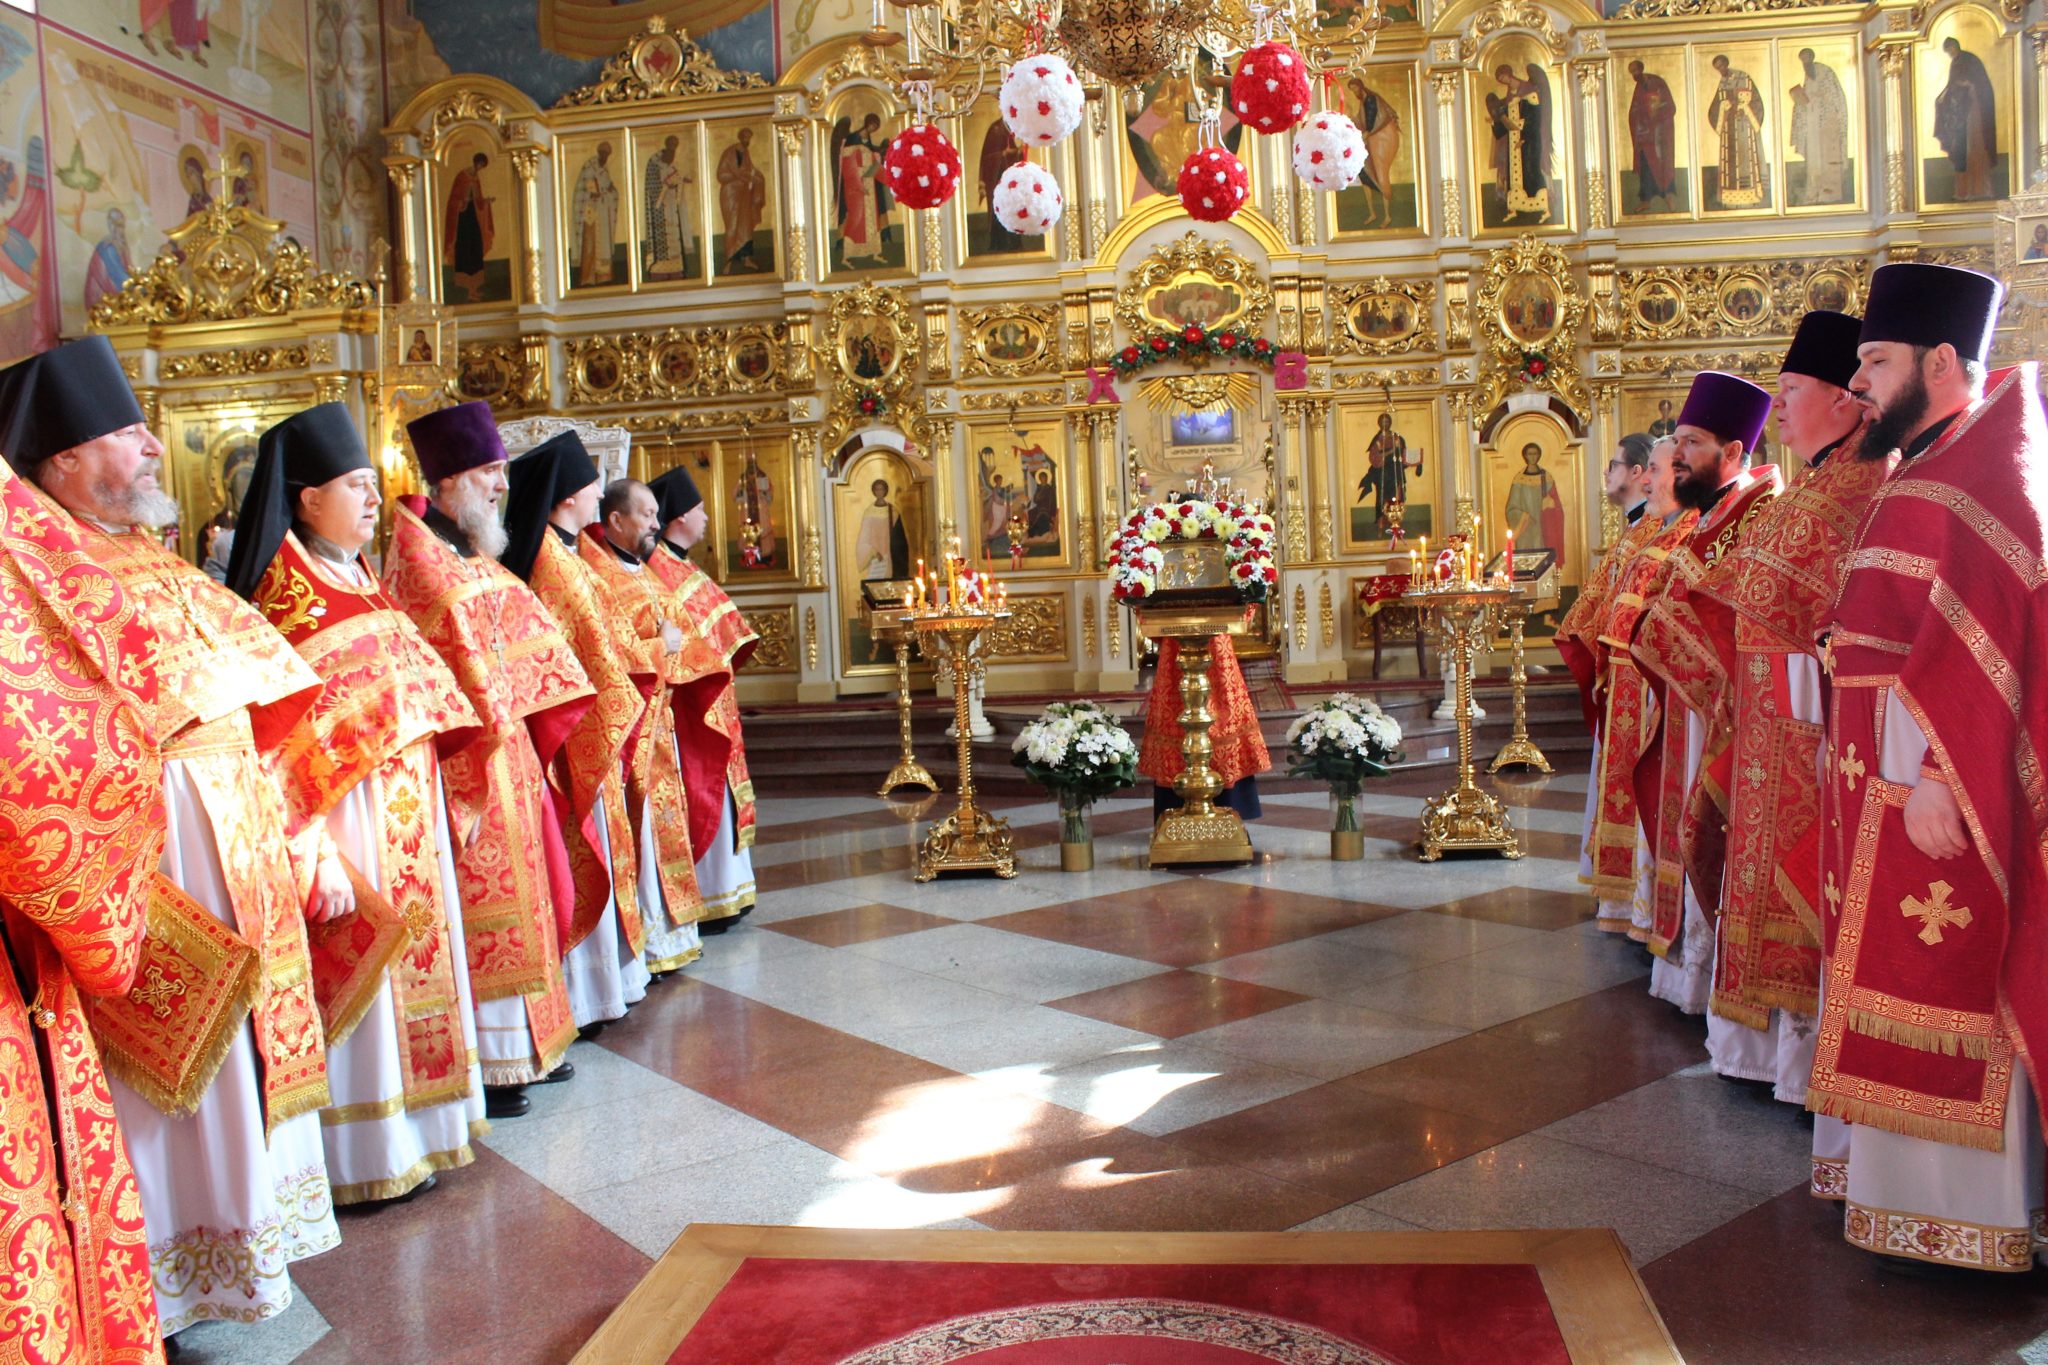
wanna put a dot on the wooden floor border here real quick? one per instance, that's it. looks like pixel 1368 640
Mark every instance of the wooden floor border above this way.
pixel 1603 1311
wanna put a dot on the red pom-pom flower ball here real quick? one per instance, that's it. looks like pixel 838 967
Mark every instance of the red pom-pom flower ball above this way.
pixel 1270 89
pixel 1213 184
pixel 921 167
pixel 1028 200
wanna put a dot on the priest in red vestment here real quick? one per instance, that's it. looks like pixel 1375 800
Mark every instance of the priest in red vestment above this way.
pixel 80 834
pixel 217 1057
pixel 1687 669
pixel 362 786
pixel 553 497
pixel 1625 834
pixel 1760 605
pixel 521 676
pixel 1934 999
pixel 714 749
pixel 671 826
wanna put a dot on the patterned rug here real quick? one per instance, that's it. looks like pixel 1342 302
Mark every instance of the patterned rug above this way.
pixel 780 1296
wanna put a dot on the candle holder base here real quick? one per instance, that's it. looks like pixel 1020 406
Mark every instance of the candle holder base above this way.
pixel 1466 818
pixel 908 772
pixel 1519 752
pixel 983 848
pixel 1186 836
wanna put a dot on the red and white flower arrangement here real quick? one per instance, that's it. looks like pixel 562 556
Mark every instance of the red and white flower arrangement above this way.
pixel 1135 557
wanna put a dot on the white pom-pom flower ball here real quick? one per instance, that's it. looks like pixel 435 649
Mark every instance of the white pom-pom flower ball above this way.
pixel 1329 151
pixel 1041 99
pixel 1028 200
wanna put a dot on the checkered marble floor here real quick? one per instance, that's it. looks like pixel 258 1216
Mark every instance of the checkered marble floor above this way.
pixel 1293 1044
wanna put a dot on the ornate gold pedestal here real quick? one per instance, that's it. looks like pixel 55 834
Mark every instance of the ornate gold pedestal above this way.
pixel 1200 831
pixel 1465 817
pixel 970 839
pixel 891 628
pixel 1520 750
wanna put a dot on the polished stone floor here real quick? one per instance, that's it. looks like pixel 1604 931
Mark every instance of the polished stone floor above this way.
pixel 1294 1044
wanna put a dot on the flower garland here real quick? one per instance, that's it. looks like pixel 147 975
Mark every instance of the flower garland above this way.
pixel 1192 342
pixel 870 403
pixel 1135 558
pixel 1535 365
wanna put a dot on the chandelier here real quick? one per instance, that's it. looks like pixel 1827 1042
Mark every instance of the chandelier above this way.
pixel 956 49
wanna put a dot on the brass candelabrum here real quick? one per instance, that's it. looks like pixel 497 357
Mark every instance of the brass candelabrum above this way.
pixel 892 628
pixel 1464 817
pixel 1520 750
pixel 970 839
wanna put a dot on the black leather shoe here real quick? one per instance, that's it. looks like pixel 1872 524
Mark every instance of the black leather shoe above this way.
pixel 558 1075
pixel 710 928
pixel 505 1101
pixel 590 1031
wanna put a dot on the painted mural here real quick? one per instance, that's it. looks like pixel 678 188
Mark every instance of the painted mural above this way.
pixel 135 153
pixel 250 52
pixel 28 316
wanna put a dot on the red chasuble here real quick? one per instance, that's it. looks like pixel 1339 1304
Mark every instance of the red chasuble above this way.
pixel 1937 969
pixel 529 692
pixel 81 828
pixel 1691 660
pixel 657 766
pixel 1578 634
pixel 592 762
pixel 1629 727
pixel 389 709
pixel 704 607
pixel 232 692
pixel 1240 747
pixel 1769 597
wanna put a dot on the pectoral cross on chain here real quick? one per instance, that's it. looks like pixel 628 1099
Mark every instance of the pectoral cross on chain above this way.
pixel 1936 911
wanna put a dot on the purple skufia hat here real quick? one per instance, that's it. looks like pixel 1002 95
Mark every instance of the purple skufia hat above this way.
pixel 1731 407
pixel 455 439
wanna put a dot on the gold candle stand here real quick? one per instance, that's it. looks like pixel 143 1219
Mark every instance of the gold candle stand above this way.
pixel 893 630
pixel 1464 817
pixel 1520 750
pixel 970 839
pixel 1200 831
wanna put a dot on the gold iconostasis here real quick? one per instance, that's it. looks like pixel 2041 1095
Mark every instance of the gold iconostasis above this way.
pixel 1563 216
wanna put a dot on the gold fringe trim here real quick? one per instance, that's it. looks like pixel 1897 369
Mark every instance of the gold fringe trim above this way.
pixel 1893 1119
pixel 523 1072
pixel 1805 1002
pixel 183 1102
pixel 502 988
pixel 682 959
pixel 1925 1039
pixel 479 1129
pixel 307 1099
pixel 1740 1012
pixel 367 1191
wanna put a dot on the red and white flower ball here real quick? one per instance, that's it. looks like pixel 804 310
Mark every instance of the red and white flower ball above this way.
pixel 1270 89
pixel 1329 152
pixel 1028 200
pixel 1213 184
pixel 922 167
pixel 1040 99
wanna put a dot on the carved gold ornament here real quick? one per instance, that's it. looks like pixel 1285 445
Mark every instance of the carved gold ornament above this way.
pixel 228 264
pixel 1735 301
pixel 1009 340
pixel 1529 309
pixel 1193 279
pixel 869 334
pixel 659 64
pixel 1383 317
pixel 677 363
pixel 1036 630
pixel 776 625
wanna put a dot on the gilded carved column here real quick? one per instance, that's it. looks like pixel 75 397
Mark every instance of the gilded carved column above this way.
pixel 1592 125
pixel 1607 403
pixel 1461 444
pixel 1097 177
pixel 2038 36
pixel 526 165
pixel 789 133
pixel 1319 460
pixel 1446 83
pixel 405 178
pixel 811 490
pixel 944 460
pixel 1891 62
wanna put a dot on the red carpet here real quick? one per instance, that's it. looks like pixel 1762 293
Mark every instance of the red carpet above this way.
pixel 777 1311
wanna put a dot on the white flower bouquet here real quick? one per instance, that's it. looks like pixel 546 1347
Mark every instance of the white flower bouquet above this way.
pixel 1078 750
pixel 1342 740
